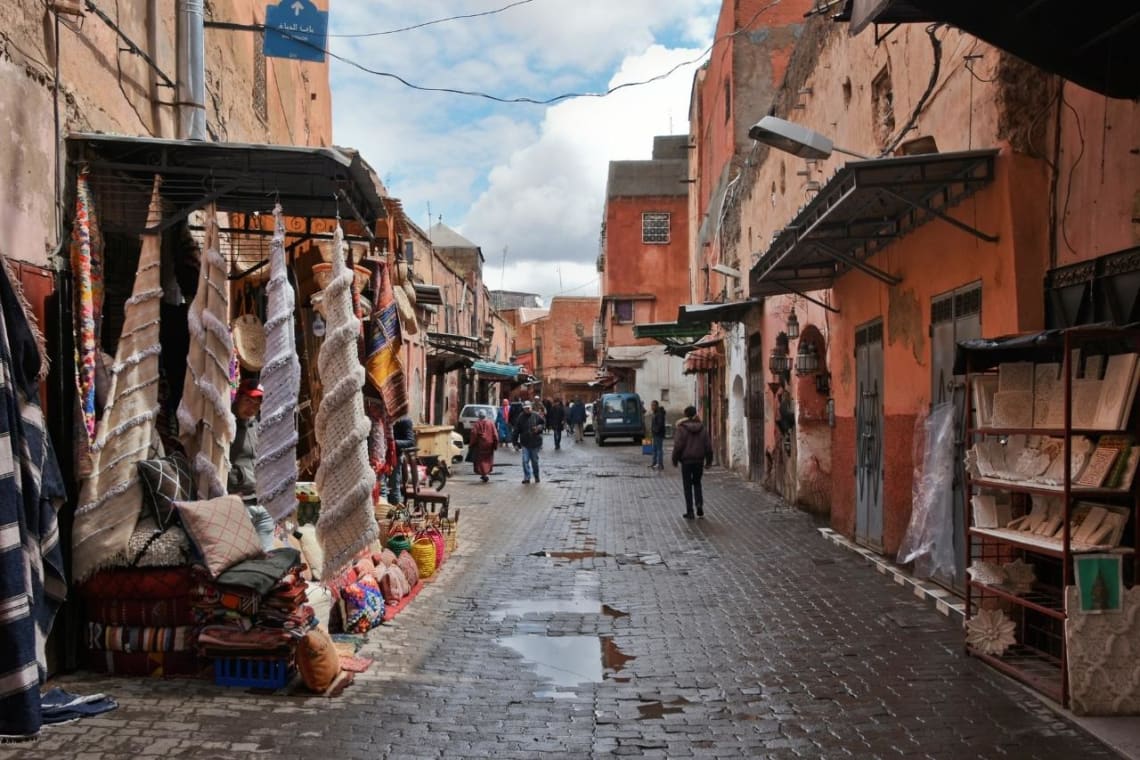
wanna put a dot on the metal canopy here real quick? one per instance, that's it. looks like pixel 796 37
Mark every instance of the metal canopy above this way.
pixel 705 313
pixel 1093 45
pixel 863 208
pixel 677 338
pixel 498 369
pixel 238 177
pixel 451 345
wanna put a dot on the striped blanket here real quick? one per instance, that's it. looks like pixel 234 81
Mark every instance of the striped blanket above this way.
pixel 32 583
pixel 140 638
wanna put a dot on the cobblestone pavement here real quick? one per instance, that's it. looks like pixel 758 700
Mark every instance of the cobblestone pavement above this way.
pixel 741 635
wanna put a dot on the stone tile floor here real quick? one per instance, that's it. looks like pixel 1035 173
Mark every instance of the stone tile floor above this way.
pixel 746 634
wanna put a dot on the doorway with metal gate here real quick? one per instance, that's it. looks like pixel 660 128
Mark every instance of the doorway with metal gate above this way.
pixel 954 316
pixel 869 435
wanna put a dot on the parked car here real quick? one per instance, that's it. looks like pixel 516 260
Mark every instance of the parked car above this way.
pixel 619 415
pixel 469 415
pixel 460 448
pixel 588 428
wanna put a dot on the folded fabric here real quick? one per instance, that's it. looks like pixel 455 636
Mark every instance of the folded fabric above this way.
pixel 145 664
pixel 156 612
pixel 219 637
pixel 241 600
pixel 131 638
pixel 60 706
pixel 134 583
pixel 263 573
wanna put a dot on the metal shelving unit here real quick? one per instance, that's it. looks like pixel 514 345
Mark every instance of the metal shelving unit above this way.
pixel 1039 658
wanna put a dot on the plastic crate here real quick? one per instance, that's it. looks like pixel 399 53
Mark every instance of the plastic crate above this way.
pixel 245 671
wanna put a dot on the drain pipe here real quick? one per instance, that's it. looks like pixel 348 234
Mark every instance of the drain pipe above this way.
pixel 191 70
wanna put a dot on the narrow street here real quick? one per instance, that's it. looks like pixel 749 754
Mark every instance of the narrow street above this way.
pixel 741 635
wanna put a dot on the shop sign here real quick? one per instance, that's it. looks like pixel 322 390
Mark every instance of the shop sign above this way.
pixel 296 29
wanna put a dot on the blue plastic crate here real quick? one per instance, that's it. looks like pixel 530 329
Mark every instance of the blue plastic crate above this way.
pixel 251 672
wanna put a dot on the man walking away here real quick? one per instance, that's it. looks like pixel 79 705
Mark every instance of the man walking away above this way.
pixel 576 419
pixel 657 431
pixel 527 435
pixel 692 449
pixel 556 420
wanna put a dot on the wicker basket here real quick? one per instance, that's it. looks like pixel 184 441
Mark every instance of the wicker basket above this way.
pixel 423 552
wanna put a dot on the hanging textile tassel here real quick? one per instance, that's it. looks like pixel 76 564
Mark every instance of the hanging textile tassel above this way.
pixel 344 479
pixel 205 419
pixel 87 268
pixel 383 342
pixel 276 464
pixel 109 499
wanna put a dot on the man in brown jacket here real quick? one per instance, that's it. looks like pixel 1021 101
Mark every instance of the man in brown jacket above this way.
pixel 692 449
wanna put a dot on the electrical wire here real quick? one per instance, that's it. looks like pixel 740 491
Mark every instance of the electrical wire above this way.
pixel 1072 172
pixel 936 45
pixel 435 21
pixel 521 99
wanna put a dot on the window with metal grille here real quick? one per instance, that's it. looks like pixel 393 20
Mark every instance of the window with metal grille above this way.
pixel 655 227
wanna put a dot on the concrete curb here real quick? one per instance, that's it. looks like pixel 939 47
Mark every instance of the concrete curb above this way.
pixel 942 600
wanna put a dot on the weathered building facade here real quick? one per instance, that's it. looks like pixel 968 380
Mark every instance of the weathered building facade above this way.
pixel 644 270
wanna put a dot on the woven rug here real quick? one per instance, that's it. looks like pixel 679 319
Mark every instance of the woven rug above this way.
pixel 276 465
pixel 355 664
pixel 344 478
pixel 205 419
pixel 109 499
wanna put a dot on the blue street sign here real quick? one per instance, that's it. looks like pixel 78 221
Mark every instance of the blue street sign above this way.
pixel 296 29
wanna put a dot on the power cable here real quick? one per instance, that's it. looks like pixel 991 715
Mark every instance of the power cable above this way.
pixel 435 21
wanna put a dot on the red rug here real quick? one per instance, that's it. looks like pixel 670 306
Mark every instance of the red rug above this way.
pixel 391 610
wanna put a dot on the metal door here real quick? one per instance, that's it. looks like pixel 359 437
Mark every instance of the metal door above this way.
pixel 755 407
pixel 954 316
pixel 869 435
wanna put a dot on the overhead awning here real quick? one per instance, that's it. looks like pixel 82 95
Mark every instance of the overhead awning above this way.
pixel 706 359
pixel 707 313
pixel 1093 45
pixel 497 369
pixel 238 177
pixel 607 381
pixel 863 208
pixel 676 337
pixel 629 357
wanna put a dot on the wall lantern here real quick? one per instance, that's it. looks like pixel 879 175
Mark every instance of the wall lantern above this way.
pixel 780 363
pixel 793 329
pixel 807 360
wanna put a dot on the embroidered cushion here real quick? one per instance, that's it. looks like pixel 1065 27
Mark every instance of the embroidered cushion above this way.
pixel 407 564
pixel 317 660
pixel 166 481
pixel 394 585
pixel 363 605
pixel 221 530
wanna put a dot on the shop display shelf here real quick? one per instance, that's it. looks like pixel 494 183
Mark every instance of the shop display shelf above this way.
pixel 1044 600
pixel 1050 547
pixel 1025 486
pixel 1035 668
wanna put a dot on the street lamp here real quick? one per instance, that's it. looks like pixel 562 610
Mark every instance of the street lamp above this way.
pixel 795 139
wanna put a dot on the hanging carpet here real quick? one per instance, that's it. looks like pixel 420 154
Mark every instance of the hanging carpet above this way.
pixel 385 370
pixel 276 464
pixel 110 497
pixel 32 583
pixel 205 420
pixel 344 479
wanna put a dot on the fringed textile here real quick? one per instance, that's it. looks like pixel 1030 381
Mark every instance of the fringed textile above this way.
pixel 32 584
pixel 205 418
pixel 276 464
pixel 87 268
pixel 383 342
pixel 344 479
pixel 110 497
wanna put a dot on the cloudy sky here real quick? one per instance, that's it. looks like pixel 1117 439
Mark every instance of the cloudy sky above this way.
pixel 525 182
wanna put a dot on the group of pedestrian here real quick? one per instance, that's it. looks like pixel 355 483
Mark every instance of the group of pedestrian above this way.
pixel 524 426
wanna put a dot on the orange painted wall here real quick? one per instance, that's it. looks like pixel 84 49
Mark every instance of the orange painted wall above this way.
pixel 570 320
pixel 633 267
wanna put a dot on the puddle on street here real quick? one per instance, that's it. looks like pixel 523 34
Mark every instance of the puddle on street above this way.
pixel 546 606
pixel 661 709
pixel 571 555
pixel 562 660
pixel 612 657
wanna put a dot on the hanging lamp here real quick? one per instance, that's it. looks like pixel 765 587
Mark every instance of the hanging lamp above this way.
pixel 793 327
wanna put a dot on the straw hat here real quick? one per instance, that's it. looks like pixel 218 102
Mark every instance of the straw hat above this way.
pixel 406 312
pixel 249 341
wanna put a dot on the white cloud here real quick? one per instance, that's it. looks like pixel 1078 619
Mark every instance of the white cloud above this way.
pixel 527 177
